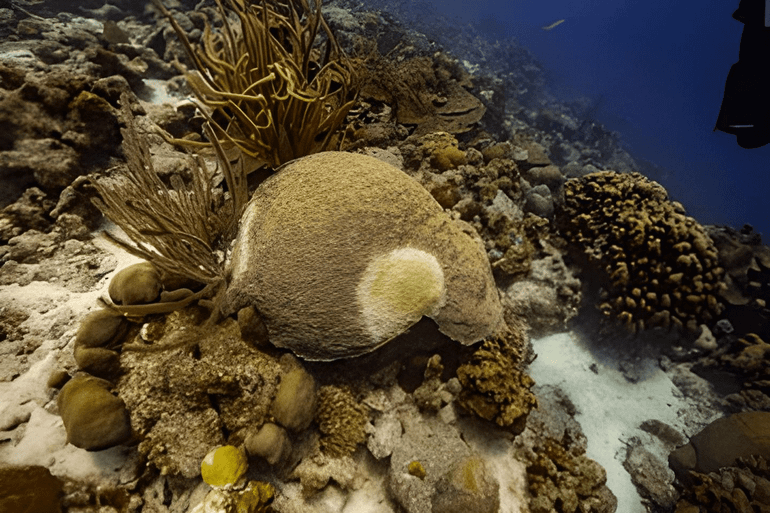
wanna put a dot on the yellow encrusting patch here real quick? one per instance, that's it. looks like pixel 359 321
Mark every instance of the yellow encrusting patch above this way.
pixel 397 289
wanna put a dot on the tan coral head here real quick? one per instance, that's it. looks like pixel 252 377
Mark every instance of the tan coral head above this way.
pixel 341 252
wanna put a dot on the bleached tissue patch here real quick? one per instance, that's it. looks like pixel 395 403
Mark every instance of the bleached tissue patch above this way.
pixel 610 408
pixel 397 289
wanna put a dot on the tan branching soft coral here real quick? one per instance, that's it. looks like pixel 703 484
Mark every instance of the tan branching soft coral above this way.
pixel 182 229
pixel 276 85
pixel 341 420
pixel 661 265
pixel 494 386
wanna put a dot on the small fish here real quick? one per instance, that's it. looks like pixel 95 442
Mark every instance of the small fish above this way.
pixel 554 25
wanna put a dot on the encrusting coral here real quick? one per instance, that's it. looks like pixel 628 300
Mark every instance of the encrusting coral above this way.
pixel 183 402
pixel 279 93
pixel 661 265
pixel 494 385
pixel 560 480
pixel 341 420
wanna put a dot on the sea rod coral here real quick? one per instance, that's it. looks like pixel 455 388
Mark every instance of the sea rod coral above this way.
pixel 268 85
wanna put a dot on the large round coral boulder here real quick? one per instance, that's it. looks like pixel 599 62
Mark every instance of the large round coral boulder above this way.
pixel 341 252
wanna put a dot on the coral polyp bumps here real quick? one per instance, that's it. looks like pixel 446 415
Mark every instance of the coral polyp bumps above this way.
pixel 370 253
pixel 662 267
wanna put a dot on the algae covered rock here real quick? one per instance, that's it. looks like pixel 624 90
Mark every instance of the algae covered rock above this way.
pixel 182 402
pixel 468 486
pixel 340 252
pixel 722 442
pixel 93 417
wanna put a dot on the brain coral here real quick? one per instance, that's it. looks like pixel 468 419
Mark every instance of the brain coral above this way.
pixel 662 266
pixel 340 252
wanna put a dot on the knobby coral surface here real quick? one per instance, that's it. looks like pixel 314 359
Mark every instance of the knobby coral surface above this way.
pixel 494 386
pixel 661 265
pixel 341 420
pixel 560 480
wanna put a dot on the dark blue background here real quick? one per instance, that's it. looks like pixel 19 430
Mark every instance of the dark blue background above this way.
pixel 660 67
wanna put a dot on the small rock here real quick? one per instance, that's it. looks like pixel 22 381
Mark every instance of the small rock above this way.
pixel 468 486
pixel 271 442
pixel 294 404
pixel 93 417
pixel 136 284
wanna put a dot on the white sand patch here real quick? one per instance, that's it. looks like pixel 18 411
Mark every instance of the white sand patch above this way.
pixel 610 409
pixel 54 317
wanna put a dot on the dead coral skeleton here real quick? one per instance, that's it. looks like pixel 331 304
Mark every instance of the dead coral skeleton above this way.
pixel 266 87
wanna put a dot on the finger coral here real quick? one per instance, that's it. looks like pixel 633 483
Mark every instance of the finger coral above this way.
pixel 661 266
pixel 276 85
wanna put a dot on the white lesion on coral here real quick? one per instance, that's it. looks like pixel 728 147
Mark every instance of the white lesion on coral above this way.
pixel 399 288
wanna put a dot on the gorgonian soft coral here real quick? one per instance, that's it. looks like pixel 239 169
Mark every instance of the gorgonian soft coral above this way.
pixel 267 85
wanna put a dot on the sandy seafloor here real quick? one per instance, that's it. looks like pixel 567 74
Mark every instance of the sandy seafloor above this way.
pixel 609 406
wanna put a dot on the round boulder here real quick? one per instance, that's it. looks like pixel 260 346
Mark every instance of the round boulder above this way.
pixel 722 442
pixel 93 417
pixel 341 252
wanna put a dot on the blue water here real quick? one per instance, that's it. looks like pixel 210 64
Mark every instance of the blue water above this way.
pixel 660 67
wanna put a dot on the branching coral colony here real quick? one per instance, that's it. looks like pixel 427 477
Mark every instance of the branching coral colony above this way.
pixel 266 86
pixel 183 229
